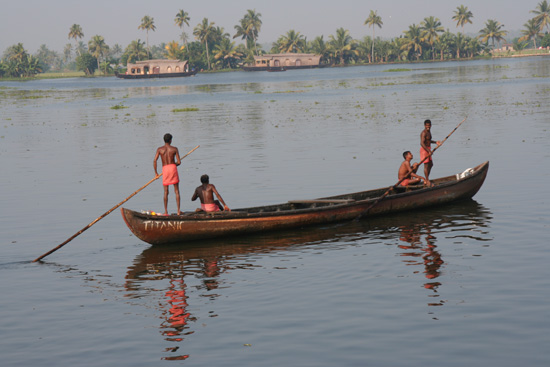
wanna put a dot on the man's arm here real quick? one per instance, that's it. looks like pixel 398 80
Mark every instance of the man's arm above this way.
pixel 178 160
pixel 220 197
pixel 155 162
pixel 195 195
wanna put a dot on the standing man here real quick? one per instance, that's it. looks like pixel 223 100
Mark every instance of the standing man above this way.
pixel 170 158
pixel 205 193
pixel 425 148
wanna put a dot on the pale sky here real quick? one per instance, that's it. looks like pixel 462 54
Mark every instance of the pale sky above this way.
pixel 37 22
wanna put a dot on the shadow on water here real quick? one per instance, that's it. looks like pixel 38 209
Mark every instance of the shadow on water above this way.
pixel 176 270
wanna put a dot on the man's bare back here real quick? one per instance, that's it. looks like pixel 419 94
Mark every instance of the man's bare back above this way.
pixel 170 158
pixel 206 192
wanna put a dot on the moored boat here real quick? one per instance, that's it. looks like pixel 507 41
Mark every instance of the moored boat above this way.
pixel 158 229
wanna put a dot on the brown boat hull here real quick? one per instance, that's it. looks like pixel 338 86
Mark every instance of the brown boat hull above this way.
pixel 157 230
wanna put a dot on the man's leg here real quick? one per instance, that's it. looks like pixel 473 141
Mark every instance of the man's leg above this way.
pixel 166 200
pixel 177 191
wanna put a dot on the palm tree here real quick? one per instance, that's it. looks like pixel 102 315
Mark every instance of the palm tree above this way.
pixel 364 49
pixel 542 14
pixel 135 51
pixel 342 44
pixel 493 30
pixel 76 33
pixel 462 16
pixel 249 28
pixel 431 27
pixel 174 51
pixel 203 32
pixel 98 48
pixel 531 31
pixel 373 20
pixel 291 42
pixel 319 47
pixel 413 41
pixel 182 18
pixel 148 24
pixel 226 53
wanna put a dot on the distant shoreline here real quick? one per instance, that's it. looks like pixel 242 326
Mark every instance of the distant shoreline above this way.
pixel 80 74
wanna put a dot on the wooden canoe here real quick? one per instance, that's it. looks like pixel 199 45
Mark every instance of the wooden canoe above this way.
pixel 158 230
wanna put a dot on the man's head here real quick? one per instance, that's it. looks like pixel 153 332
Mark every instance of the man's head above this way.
pixel 168 138
pixel 407 154
pixel 427 124
pixel 205 179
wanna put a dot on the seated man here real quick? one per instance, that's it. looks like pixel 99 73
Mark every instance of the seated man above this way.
pixel 408 174
pixel 205 193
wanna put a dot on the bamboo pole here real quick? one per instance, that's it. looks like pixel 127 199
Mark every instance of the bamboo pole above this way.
pixel 106 213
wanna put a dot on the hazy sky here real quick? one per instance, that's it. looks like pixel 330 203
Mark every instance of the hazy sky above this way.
pixel 36 22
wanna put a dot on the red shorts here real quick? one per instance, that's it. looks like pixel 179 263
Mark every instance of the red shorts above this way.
pixel 425 153
pixel 210 207
pixel 170 175
pixel 405 182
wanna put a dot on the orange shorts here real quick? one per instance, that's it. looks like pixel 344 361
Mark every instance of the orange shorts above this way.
pixel 405 182
pixel 170 175
pixel 425 153
pixel 210 207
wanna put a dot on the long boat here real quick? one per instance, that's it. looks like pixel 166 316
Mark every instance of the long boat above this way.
pixel 158 75
pixel 159 229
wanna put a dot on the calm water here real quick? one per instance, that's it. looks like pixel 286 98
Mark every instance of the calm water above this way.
pixel 462 285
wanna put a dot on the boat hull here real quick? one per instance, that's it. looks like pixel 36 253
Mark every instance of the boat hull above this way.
pixel 156 76
pixel 157 230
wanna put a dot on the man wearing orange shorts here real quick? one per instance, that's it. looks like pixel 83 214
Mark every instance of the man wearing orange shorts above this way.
pixel 205 193
pixel 170 158
pixel 425 148
pixel 407 174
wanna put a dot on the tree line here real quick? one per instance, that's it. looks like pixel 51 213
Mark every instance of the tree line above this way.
pixel 214 49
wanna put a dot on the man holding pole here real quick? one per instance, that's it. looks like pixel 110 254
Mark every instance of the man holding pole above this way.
pixel 425 148
pixel 170 158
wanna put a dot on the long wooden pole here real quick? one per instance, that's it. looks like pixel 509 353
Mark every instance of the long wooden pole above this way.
pixel 366 211
pixel 106 213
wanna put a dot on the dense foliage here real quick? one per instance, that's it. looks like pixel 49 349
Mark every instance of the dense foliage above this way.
pixel 214 48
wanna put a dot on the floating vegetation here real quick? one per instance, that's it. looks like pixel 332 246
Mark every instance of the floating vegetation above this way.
pixel 290 91
pixel 396 70
pixel 186 109
pixel 118 106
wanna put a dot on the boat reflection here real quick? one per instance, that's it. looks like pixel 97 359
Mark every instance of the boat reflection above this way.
pixel 198 267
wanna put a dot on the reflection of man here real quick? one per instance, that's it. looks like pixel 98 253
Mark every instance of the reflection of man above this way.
pixel 205 193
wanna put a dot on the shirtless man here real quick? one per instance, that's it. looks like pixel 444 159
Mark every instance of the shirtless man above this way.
pixel 170 158
pixel 206 192
pixel 425 148
pixel 408 173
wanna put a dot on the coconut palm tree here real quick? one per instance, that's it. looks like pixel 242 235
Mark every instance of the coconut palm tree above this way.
pixel 182 17
pixel 249 28
pixel 174 51
pixel 431 27
pixel 147 24
pixel 342 44
pixel 493 30
pixel 135 51
pixel 291 42
pixel 542 14
pixel 226 53
pixel 204 32
pixel 319 47
pixel 76 33
pixel 373 20
pixel 413 40
pixel 67 50
pixel 462 16
pixel 531 31
pixel 98 48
